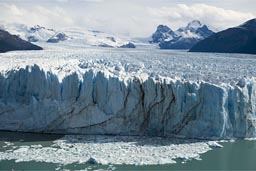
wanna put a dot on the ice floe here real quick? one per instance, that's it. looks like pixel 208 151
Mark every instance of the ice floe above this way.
pixel 110 150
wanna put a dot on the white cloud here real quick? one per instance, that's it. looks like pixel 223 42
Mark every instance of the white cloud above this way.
pixel 137 18
pixel 216 17
pixel 54 17
pixel 77 1
pixel 14 10
pixel 62 0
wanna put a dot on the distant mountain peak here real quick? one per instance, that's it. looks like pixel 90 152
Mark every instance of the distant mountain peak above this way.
pixel 163 33
pixel 163 28
pixel 38 28
pixel 183 38
pixel 194 29
pixel 58 37
pixel 195 24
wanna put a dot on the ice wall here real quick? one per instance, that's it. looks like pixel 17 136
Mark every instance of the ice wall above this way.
pixel 94 103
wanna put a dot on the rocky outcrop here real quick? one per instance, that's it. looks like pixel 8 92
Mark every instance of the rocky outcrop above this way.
pixel 105 45
pixel 111 38
pixel 58 38
pixel 34 100
pixel 32 39
pixel 37 28
pixel 128 45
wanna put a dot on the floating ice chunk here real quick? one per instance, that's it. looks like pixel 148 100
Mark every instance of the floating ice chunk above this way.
pixel 8 143
pixel 250 139
pixel 36 146
pixel 214 144
pixel 22 149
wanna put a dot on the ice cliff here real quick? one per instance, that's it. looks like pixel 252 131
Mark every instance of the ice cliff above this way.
pixel 96 102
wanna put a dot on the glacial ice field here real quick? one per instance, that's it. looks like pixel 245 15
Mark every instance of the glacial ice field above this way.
pixel 123 63
pixel 129 92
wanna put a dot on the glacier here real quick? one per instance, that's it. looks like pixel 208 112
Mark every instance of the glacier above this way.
pixel 127 93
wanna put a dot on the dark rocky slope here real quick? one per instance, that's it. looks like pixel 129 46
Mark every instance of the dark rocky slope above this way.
pixel 10 42
pixel 240 39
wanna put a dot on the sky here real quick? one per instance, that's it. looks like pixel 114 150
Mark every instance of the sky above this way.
pixel 133 18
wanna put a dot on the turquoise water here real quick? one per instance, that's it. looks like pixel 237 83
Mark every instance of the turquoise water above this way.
pixel 238 155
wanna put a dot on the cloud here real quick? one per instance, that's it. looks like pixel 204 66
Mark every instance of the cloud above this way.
pixel 14 10
pixel 216 17
pixel 62 0
pixel 77 1
pixel 52 17
pixel 136 18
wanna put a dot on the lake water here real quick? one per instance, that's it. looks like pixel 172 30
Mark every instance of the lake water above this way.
pixel 239 155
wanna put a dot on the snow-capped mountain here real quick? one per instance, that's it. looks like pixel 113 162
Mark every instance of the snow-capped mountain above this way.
pixel 195 29
pixel 32 34
pixel 38 33
pixel 183 38
pixel 163 33
pixel 58 37
pixel 68 36
pixel 94 38
pixel 9 42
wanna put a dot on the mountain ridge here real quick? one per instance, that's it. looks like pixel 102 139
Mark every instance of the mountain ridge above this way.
pixel 68 36
pixel 182 38
pixel 239 39
pixel 9 42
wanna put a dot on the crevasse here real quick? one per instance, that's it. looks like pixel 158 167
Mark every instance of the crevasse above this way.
pixel 33 100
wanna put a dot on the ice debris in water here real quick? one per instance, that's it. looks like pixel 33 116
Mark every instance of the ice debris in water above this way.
pixel 7 144
pixel 110 150
pixel 214 144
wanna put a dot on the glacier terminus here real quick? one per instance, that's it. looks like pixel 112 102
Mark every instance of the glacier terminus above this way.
pixel 121 92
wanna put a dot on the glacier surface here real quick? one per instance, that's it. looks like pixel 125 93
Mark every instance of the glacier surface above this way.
pixel 129 92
